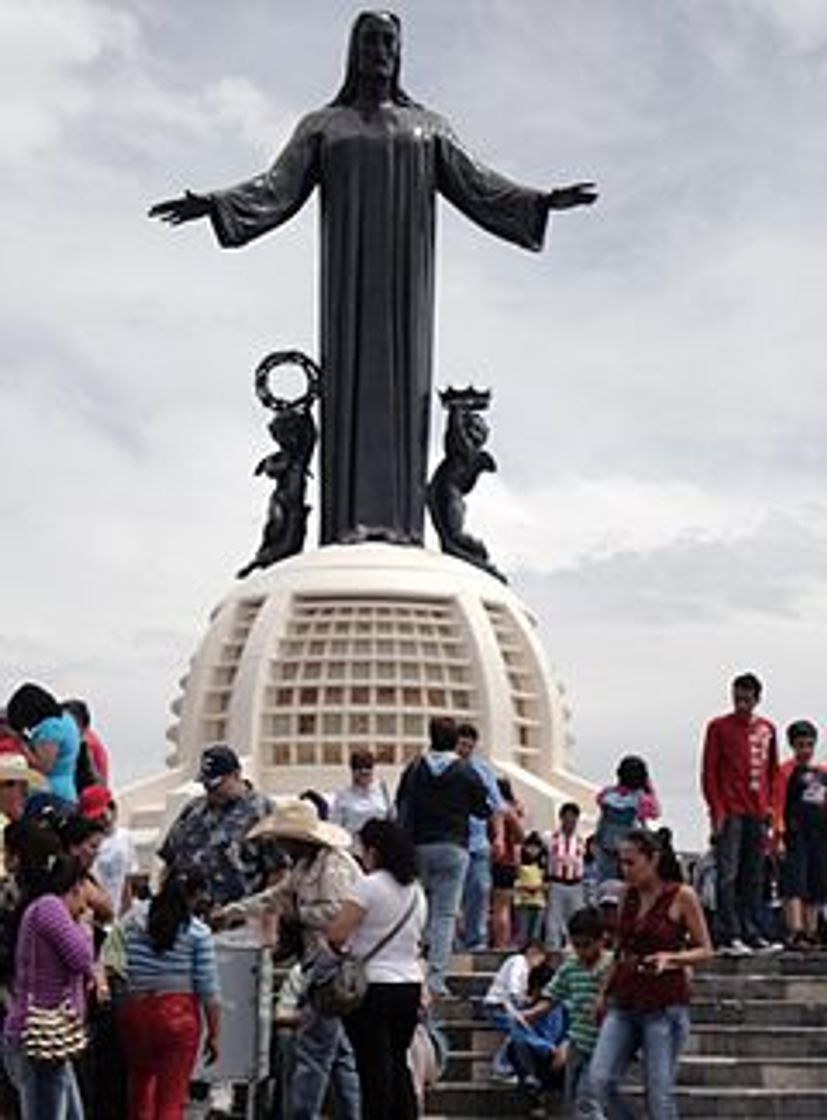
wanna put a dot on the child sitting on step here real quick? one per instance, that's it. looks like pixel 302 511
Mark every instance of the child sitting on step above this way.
pixel 537 1044
pixel 506 997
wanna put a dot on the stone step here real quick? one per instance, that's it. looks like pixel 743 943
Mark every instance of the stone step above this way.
pixel 473 1100
pixel 766 1073
pixel 477 1099
pixel 734 1040
pixel 796 987
pixel 786 963
pixel 727 1039
pixel 721 1103
pixel 758 1012
pixel 702 1070
pixel 811 963
pixel 757 1048
pixel 755 1012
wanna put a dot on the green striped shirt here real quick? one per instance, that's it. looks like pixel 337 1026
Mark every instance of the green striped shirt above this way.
pixel 577 988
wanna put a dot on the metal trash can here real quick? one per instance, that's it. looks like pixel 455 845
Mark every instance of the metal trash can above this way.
pixel 245 970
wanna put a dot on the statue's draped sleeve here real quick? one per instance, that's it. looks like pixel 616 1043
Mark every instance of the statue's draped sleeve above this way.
pixel 250 209
pixel 504 208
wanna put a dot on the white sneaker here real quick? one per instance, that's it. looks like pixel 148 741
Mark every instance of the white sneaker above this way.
pixel 735 948
pixel 761 945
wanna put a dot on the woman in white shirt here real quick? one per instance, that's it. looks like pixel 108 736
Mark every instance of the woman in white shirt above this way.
pixel 381 1028
pixel 365 799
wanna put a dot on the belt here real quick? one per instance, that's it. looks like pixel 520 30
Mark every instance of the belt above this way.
pixel 566 882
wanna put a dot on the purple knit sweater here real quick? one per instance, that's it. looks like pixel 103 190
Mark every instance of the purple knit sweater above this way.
pixel 54 957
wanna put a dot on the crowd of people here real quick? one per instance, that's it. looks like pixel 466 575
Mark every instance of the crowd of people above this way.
pixel 111 991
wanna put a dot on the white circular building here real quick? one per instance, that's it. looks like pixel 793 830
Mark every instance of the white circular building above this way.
pixel 358 646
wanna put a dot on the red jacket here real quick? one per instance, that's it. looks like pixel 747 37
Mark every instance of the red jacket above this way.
pixel 740 767
pixel 98 754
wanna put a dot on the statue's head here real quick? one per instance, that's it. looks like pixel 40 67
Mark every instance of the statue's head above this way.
pixel 476 428
pixel 374 51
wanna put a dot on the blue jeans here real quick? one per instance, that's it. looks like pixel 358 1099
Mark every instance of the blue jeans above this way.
pixel 500 1064
pixel 580 1097
pixel 442 869
pixel 739 866
pixel 322 1055
pixel 661 1036
pixel 476 901
pixel 564 899
pixel 48 1090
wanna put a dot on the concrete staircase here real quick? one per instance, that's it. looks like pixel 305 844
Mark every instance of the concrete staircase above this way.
pixel 758 1046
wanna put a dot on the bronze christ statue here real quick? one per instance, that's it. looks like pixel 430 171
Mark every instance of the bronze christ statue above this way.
pixel 379 160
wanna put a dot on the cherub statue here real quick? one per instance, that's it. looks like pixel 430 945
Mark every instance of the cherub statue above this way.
pixel 466 433
pixel 294 430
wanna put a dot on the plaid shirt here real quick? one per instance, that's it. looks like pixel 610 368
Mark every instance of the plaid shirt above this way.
pixel 211 839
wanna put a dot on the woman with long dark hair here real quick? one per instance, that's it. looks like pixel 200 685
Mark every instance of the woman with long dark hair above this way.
pixel 171 976
pixel 53 964
pixel 388 900
pixel 661 932
pixel 82 838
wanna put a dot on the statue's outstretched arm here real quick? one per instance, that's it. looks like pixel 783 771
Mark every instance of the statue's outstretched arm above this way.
pixel 188 207
pixel 257 205
pixel 503 207
pixel 566 198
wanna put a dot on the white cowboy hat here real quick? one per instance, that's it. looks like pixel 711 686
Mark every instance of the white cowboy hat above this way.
pixel 14 767
pixel 295 819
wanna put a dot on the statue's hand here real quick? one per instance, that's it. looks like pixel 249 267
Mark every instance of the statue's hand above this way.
pixel 187 208
pixel 566 198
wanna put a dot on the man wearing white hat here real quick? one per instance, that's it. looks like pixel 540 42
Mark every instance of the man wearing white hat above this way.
pixel 312 892
pixel 17 778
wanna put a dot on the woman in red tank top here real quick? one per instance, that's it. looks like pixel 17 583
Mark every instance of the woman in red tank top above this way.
pixel 661 932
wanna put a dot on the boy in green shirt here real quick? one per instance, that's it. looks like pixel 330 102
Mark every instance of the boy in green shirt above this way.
pixel 577 985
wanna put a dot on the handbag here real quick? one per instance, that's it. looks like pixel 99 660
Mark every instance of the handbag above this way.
pixel 339 986
pixel 51 1034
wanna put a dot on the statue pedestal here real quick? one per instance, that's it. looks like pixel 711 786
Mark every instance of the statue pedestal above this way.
pixel 357 646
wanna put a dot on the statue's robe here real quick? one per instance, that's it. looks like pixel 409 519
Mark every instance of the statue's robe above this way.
pixel 378 176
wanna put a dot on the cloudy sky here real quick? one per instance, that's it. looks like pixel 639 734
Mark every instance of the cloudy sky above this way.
pixel 658 413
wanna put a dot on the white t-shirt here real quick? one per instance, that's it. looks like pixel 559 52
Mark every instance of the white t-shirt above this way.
pixel 355 806
pixel 116 859
pixel 510 985
pixel 384 902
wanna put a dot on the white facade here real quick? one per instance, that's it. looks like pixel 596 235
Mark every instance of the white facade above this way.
pixel 359 645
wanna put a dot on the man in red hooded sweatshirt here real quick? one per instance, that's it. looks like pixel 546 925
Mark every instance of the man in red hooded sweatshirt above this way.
pixel 739 772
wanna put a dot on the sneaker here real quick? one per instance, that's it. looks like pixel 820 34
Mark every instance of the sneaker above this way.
pixel 762 945
pixel 735 948
pixel 504 1077
pixel 441 991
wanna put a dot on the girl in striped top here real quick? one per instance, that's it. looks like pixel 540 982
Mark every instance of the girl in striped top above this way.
pixel 171 976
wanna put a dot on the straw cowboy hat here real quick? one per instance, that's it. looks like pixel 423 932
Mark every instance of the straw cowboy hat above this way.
pixel 295 819
pixel 15 768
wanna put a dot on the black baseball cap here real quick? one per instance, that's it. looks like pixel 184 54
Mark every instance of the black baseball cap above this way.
pixel 217 762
